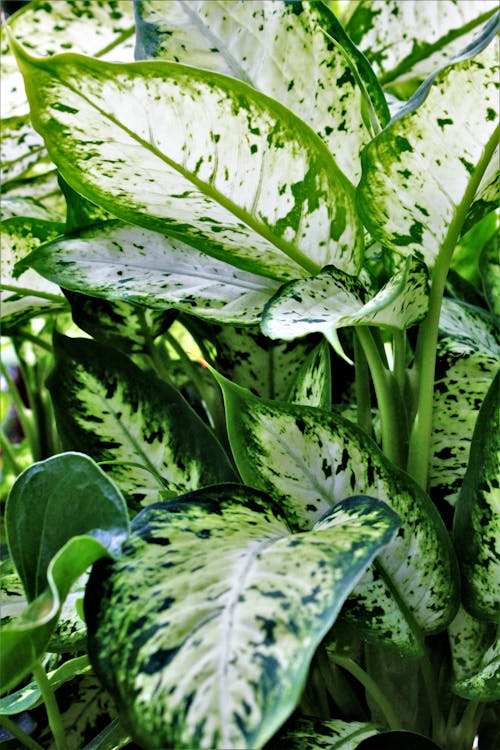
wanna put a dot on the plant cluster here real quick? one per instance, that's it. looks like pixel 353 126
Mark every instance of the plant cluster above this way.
pixel 250 295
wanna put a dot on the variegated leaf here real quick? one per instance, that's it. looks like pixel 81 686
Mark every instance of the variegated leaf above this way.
pixel 420 174
pixel 267 368
pixel 477 515
pixel 44 189
pixel 332 299
pixel 215 652
pixel 313 734
pixel 243 179
pixel 283 49
pixel 150 441
pixel 121 262
pixel 313 383
pixel 487 197
pixel 471 643
pixel 104 29
pixel 26 224
pixel 22 151
pixel 403 38
pixel 127 327
pixel 309 459
pixel 468 355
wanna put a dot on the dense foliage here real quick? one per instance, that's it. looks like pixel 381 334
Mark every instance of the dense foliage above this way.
pixel 250 316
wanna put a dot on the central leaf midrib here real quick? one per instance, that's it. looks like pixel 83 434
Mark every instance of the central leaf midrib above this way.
pixel 291 251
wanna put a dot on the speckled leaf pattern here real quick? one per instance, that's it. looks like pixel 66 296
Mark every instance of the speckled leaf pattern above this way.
pixel 468 354
pixel 332 299
pixel 267 368
pixel 420 174
pixel 477 517
pixel 22 151
pixel 485 684
pixel 25 224
pixel 126 263
pixel 487 197
pixel 103 29
pixel 279 48
pixel 109 408
pixel 125 326
pixel 313 383
pixel 205 158
pixel 472 644
pixel 309 459
pixel 404 38
pixel 307 733
pixel 214 649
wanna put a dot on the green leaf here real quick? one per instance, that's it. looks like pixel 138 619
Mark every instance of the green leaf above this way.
pixel 78 516
pixel 42 188
pixel 412 38
pixel 332 299
pixel 223 642
pixel 53 501
pixel 487 197
pixel 306 733
pixel 470 248
pixel 467 361
pixel 125 326
pixel 273 47
pixel 474 651
pixel 137 425
pixel 25 225
pixel 120 262
pixel 313 383
pixel 421 173
pixel 23 154
pixel 29 696
pixel 489 268
pixel 477 515
pixel 308 459
pixel 281 208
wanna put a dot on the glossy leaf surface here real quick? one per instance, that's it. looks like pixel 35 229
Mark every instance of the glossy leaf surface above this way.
pixel 50 556
pixel 333 299
pixel 253 186
pixel 420 174
pixel 283 49
pixel 477 516
pixel 309 459
pixel 121 262
pixel 475 656
pixel 107 406
pixel 225 643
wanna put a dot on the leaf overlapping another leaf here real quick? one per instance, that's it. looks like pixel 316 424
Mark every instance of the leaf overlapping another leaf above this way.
pixel 213 649
pixel 158 167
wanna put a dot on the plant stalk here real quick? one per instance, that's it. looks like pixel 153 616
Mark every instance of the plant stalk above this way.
pixel 371 687
pixel 53 713
pixel 19 734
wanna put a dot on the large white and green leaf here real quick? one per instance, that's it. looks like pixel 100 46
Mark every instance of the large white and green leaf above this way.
pixel 102 29
pixel 214 649
pixel 43 188
pixel 267 368
pixel 22 151
pixel 284 49
pixel 477 515
pixel 138 426
pixel 411 38
pixel 120 262
pixel 467 359
pixel 420 174
pixel 205 159
pixel 333 299
pixel 25 224
pixel 309 459
pixel 475 657
pixel 306 733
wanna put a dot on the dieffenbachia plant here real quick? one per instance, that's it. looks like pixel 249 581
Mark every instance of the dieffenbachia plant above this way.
pixel 276 233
